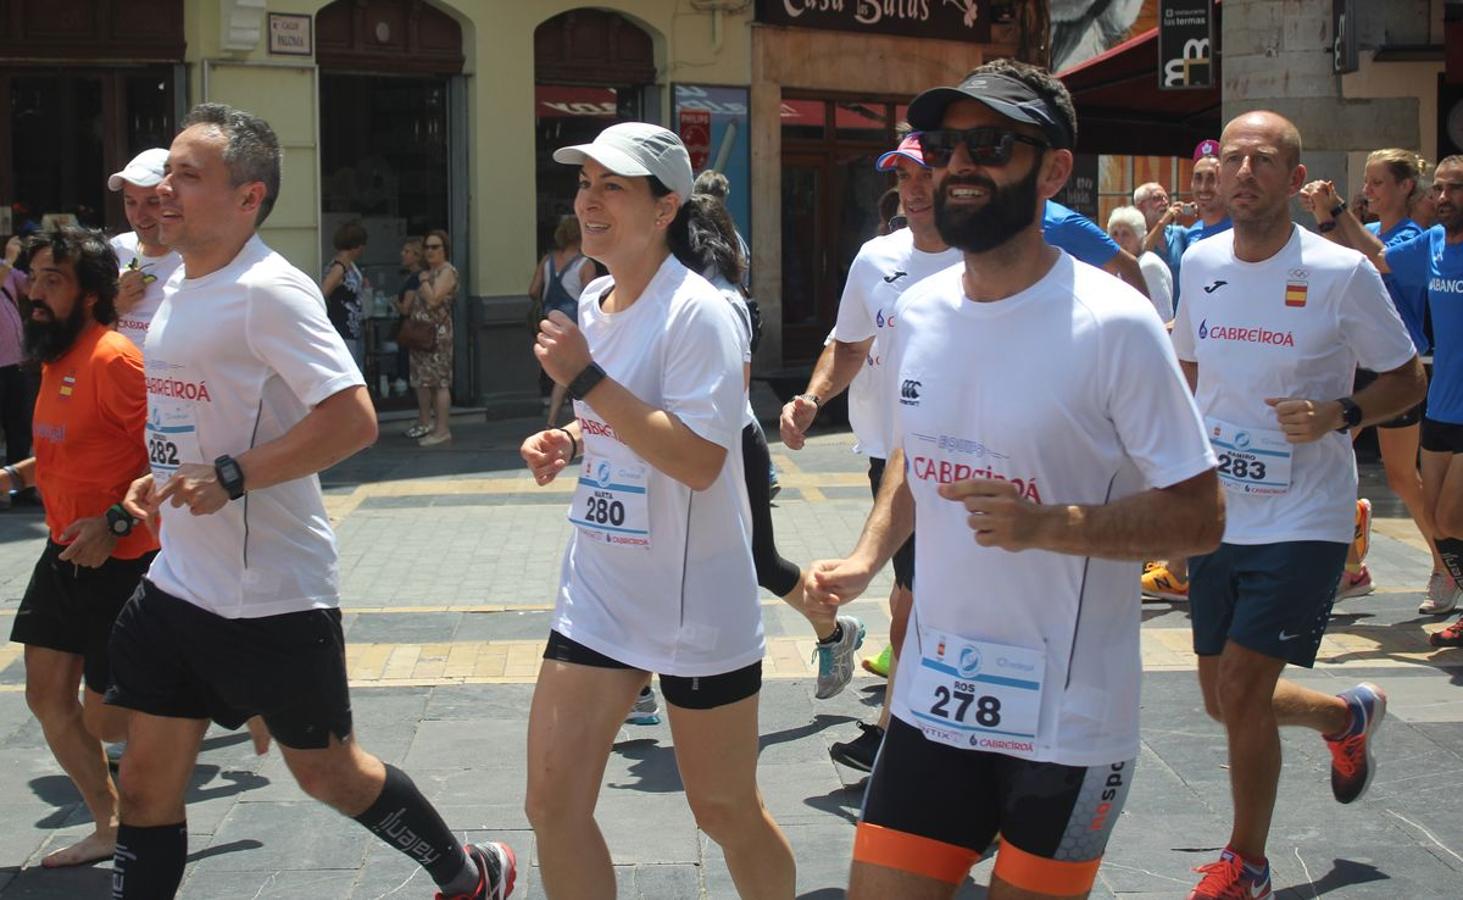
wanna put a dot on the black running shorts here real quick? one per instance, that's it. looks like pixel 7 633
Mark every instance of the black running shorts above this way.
pixel 700 692
pixel 71 608
pixel 904 556
pixel 933 810
pixel 174 659
pixel 1441 437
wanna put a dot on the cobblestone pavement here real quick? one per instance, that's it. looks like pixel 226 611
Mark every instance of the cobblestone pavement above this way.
pixel 449 562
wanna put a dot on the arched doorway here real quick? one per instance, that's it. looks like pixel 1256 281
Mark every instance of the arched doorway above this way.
pixel 592 68
pixel 393 155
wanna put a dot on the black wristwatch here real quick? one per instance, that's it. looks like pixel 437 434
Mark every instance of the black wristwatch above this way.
pixel 230 476
pixel 586 381
pixel 119 520
pixel 1350 413
pixel 1336 212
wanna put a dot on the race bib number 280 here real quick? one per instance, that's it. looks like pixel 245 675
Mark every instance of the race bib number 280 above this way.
pixel 610 502
pixel 976 695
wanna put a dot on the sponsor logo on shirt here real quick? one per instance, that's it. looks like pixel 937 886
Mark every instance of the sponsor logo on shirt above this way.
pixel 595 427
pixel 46 431
pixel 964 445
pixel 890 279
pixel 909 392
pixel 132 325
pixel 1446 285
pixel 68 384
pixel 182 390
pixel 1245 335
pixel 944 471
pixel 1211 288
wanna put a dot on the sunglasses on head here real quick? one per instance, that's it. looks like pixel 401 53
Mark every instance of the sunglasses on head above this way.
pixel 987 146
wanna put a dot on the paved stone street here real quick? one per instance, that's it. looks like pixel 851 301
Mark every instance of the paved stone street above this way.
pixel 450 558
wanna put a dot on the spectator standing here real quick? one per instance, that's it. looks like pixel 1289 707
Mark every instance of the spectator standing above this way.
pixel 1126 226
pixel 557 283
pixel 344 286
pixel 15 398
pixel 431 370
pixel 406 297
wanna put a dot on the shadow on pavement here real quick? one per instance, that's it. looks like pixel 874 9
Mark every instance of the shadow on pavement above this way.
pixel 821 722
pixel 1344 873
pixel 653 764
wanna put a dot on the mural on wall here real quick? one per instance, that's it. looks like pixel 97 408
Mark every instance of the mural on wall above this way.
pixel 1082 29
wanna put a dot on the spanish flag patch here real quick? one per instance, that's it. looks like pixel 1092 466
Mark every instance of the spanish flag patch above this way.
pixel 68 383
pixel 1295 293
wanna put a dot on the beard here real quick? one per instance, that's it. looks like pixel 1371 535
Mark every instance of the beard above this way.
pixel 49 340
pixel 1008 211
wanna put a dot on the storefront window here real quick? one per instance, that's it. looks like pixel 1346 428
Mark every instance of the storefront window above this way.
pixel 860 121
pixel 565 115
pixel 730 149
pixel 804 119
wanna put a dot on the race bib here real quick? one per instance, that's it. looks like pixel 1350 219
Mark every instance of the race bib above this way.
pixel 1251 460
pixel 976 695
pixel 611 502
pixel 172 439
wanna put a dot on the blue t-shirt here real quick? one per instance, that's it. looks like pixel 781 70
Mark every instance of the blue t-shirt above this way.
pixel 1078 235
pixel 1180 239
pixel 1430 262
pixel 1411 301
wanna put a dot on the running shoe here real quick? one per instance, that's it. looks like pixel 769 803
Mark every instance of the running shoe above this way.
pixel 114 755
pixel 1231 879
pixel 1352 766
pixel 879 665
pixel 774 487
pixel 835 659
pixel 497 870
pixel 1452 636
pixel 1161 583
pixel 1361 540
pixel 859 753
pixel 1442 595
pixel 645 711
pixel 1355 584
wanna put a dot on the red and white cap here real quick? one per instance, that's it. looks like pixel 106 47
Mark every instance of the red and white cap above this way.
pixel 908 148
pixel 1209 147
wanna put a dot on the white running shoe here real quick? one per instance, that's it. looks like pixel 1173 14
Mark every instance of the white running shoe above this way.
pixel 835 660
pixel 1442 595
pixel 645 711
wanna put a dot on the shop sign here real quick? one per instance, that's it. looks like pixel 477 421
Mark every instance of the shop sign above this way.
pixel 1080 191
pixel 950 20
pixel 289 35
pixel 696 135
pixel 1185 44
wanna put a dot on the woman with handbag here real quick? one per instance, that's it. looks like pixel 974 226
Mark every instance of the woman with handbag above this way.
pixel 427 333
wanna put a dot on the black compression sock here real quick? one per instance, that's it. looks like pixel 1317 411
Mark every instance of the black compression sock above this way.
pixel 403 818
pixel 835 636
pixel 148 862
pixel 1451 550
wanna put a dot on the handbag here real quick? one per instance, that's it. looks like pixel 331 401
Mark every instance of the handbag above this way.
pixel 414 334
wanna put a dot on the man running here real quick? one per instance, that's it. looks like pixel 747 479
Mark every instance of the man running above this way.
pixel 146 263
pixel 250 392
pixel 854 360
pixel 1041 410
pixel 1434 260
pixel 1275 322
pixel 88 428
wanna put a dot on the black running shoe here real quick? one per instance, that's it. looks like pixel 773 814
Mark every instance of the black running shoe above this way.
pixel 860 752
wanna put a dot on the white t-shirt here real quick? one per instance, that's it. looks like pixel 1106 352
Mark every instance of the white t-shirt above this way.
pixel 668 587
pixel 133 324
pixel 1296 325
pixel 1159 281
pixel 235 359
pixel 1070 391
pixel 884 268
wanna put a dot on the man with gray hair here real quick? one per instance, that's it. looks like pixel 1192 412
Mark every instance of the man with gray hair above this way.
pixel 250 393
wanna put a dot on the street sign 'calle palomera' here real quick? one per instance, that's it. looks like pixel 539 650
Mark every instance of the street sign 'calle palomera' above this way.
pixel 950 20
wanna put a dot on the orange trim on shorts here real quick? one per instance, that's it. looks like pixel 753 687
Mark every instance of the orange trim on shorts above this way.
pixel 912 853
pixel 1041 875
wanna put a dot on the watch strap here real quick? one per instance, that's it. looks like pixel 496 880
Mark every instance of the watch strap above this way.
pixel 117 514
pixel 587 380
pixel 230 476
pixel 1351 414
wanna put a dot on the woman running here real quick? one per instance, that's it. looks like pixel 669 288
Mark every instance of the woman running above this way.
pixel 658 576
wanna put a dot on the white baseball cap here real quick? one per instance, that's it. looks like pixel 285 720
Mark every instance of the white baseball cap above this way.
pixel 145 170
pixel 637 148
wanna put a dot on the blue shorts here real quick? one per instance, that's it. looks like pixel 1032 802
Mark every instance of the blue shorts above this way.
pixel 1273 599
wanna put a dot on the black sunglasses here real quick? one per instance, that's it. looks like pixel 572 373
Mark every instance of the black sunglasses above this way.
pixel 987 146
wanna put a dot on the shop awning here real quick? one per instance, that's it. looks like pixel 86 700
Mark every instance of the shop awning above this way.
pixel 1120 109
